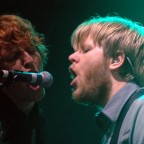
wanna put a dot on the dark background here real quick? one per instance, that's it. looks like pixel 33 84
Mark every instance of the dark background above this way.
pixel 67 122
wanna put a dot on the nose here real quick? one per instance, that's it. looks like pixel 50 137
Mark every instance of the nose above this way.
pixel 27 60
pixel 74 57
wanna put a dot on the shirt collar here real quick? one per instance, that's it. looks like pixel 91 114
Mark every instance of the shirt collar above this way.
pixel 115 105
pixel 109 114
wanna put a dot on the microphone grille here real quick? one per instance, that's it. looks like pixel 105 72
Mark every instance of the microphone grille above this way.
pixel 47 79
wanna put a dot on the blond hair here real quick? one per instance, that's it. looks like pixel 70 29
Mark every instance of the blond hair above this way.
pixel 114 33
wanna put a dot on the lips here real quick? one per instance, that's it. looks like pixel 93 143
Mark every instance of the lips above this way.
pixel 73 77
pixel 34 87
pixel 73 73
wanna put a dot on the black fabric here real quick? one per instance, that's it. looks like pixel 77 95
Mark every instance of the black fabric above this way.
pixel 126 107
pixel 103 122
pixel 17 128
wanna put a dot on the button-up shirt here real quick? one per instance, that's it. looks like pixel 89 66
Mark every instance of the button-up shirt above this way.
pixel 113 108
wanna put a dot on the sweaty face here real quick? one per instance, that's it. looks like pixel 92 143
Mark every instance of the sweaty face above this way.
pixel 22 91
pixel 90 74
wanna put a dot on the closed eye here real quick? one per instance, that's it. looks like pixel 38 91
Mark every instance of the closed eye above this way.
pixel 86 50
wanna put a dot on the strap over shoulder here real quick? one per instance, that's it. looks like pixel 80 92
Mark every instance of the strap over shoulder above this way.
pixel 138 93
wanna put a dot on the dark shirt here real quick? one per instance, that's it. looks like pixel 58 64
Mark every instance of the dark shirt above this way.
pixel 16 127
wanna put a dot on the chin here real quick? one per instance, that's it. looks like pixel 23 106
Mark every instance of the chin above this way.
pixel 82 100
pixel 36 98
pixel 77 96
pixel 81 97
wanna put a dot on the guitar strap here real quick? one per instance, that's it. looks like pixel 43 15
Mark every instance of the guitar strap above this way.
pixel 121 117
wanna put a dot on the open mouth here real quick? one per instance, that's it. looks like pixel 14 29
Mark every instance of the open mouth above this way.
pixel 34 87
pixel 73 74
pixel 73 77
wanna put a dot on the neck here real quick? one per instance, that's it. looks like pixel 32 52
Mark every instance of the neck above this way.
pixel 116 86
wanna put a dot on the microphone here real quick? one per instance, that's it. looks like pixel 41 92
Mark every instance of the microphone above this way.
pixel 44 79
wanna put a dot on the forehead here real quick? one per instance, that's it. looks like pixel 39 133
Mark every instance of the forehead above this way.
pixel 84 42
pixel 83 34
pixel 9 54
pixel 87 42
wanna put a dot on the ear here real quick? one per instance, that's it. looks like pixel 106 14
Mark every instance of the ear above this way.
pixel 118 61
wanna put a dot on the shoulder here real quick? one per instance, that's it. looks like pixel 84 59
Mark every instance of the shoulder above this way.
pixel 137 107
pixel 133 125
